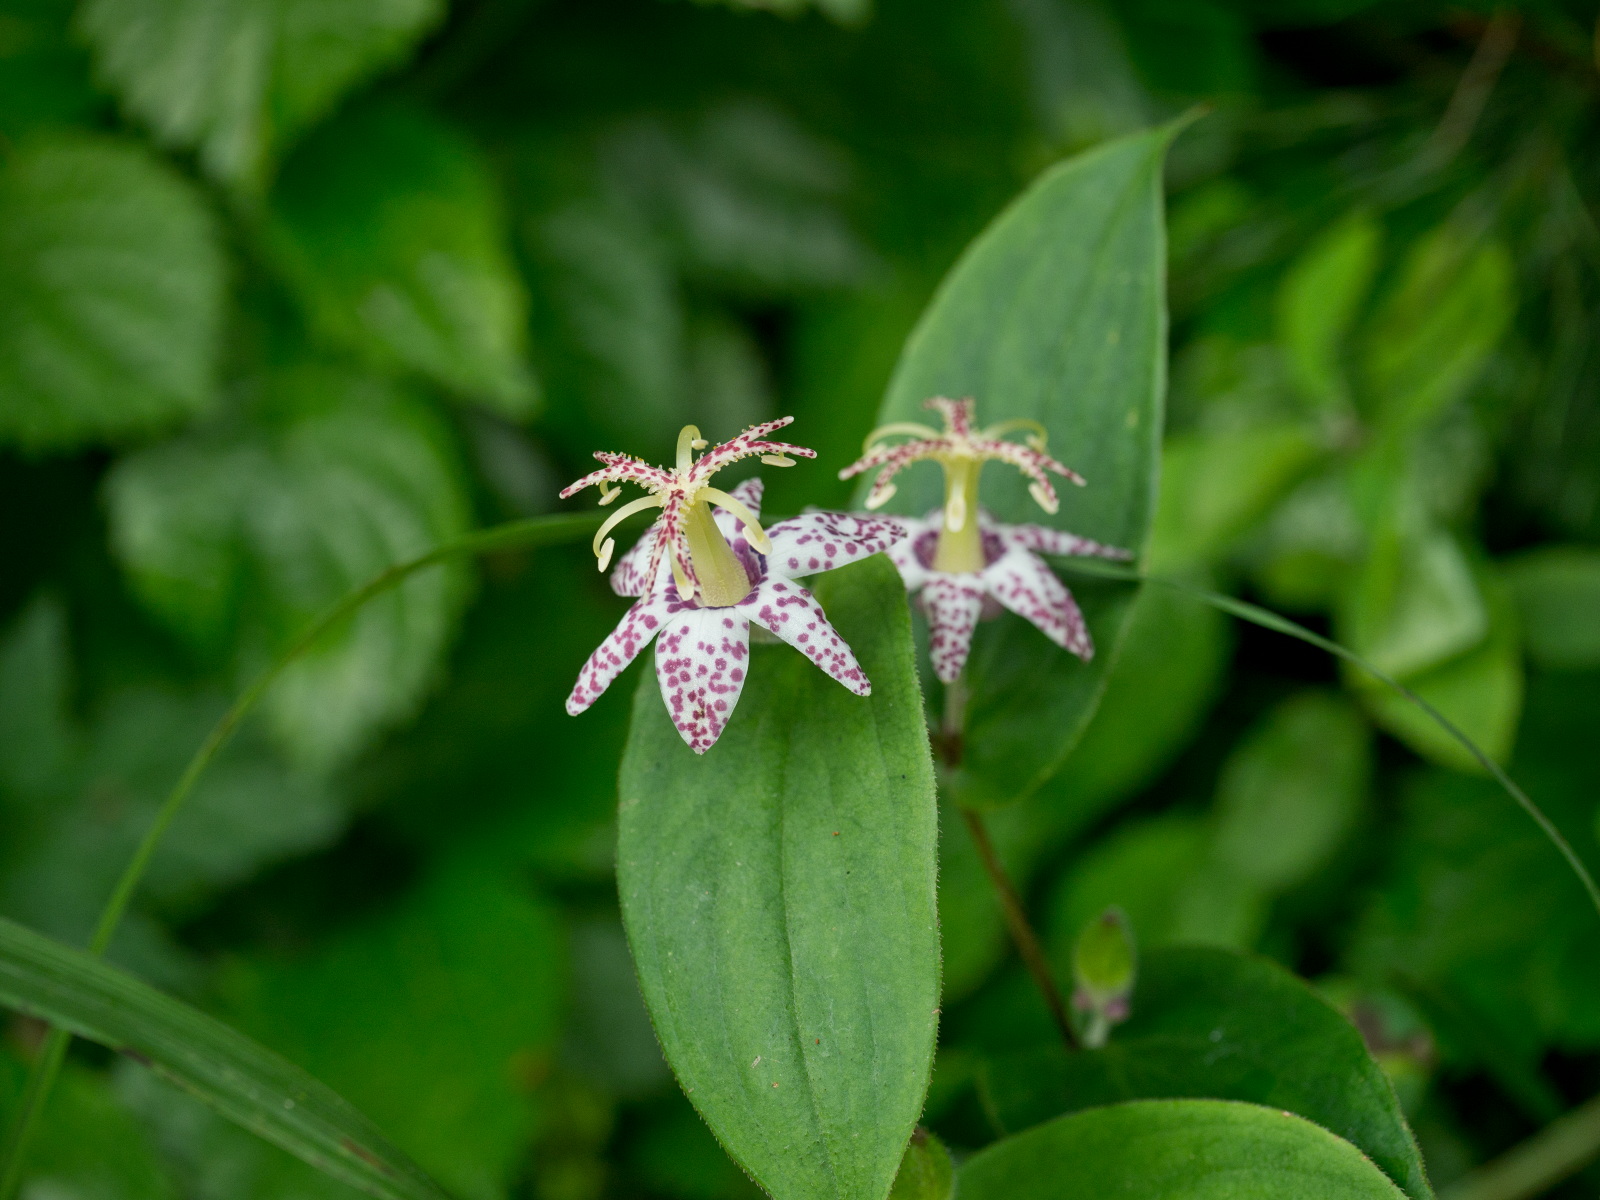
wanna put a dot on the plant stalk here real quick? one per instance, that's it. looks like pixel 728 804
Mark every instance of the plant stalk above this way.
pixel 534 531
pixel 1538 1164
pixel 1022 934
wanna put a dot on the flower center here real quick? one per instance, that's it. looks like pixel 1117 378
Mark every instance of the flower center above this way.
pixel 960 549
pixel 721 577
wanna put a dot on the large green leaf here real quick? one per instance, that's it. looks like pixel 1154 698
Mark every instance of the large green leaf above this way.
pixel 234 80
pixel 1557 593
pixel 389 226
pixel 238 538
pixel 779 898
pixel 245 1081
pixel 1056 313
pixel 111 294
pixel 1213 1023
pixel 1174 1150
pixel 410 1015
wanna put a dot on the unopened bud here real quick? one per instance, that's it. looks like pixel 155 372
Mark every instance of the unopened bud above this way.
pixel 1104 966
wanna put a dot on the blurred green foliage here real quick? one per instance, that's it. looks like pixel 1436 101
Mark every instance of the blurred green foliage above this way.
pixel 293 289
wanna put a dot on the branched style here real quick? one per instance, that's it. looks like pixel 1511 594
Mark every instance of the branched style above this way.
pixel 960 564
pixel 702 577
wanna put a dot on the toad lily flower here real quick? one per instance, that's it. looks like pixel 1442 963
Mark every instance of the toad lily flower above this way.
pixel 702 576
pixel 961 565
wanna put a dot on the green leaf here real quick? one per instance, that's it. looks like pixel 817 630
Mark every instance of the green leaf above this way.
pixel 389 226
pixel 111 294
pixel 235 82
pixel 1215 486
pixel 1480 691
pixel 1415 602
pixel 244 1081
pixel 77 795
pixel 238 538
pixel 1317 304
pixel 1211 1023
pixel 1055 313
pixel 1557 593
pixel 87 1144
pixel 1292 789
pixel 411 1015
pixel 1434 331
pixel 1177 1150
pixel 926 1172
pixel 779 899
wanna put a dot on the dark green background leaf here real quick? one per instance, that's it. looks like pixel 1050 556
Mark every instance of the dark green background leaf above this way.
pixel 234 81
pixel 779 899
pixel 111 293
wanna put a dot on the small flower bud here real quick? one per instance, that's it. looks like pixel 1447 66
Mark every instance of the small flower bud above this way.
pixel 1104 966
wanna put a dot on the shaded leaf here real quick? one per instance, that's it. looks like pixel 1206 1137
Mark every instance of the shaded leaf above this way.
pixel 244 1081
pixel 779 898
pixel 414 1017
pixel 235 82
pixel 238 538
pixel 1209 1023
pixel 1557 593
pixel 1318 302
pixel 1178 1150
pixel 87 1145
pixel 1056 313
pixel 388 224
pixel 111 294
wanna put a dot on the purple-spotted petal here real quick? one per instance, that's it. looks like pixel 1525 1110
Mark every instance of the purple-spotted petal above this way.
pixel 630 576
pixel 822 541
pixel 1055 541
pixel 1029 588
pixel 953 604
pixel 906 554
pixel 793 613
pixel 701 660
pixel 621 647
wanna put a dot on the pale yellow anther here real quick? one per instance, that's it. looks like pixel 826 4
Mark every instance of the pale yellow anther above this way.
pixel 877 499
pixel 777 460
pixel 605 553
pixel 753 532
pixel 1045 500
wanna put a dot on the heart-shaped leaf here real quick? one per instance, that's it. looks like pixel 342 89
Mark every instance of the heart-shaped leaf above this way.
pixel 1177 1150
pixel 779 898
pixel 1218 1024
pixel 1057 314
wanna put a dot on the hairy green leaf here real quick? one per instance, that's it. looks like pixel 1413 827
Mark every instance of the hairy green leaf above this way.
pixel 389 226
pixel 1055 313
pixel 1211 1023
pixel 1177 1150
pixel 243 1080
pixel 111 294
pixel 779 898
pixel 236 80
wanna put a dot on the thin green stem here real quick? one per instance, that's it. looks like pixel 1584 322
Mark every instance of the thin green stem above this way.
pixel 1268 619
pixel 534 531
pixel 1032 954
pixel 1538 1164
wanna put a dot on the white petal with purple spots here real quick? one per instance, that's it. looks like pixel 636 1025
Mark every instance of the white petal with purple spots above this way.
pixel 1055 541
pixel 793 613
pixel 701 660
pixel 1028 587
pixel 822 541
pixel 632 634
pixel 953 604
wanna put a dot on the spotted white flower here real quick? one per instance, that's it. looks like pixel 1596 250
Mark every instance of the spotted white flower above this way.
pixel 960 564
pixel 702 576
